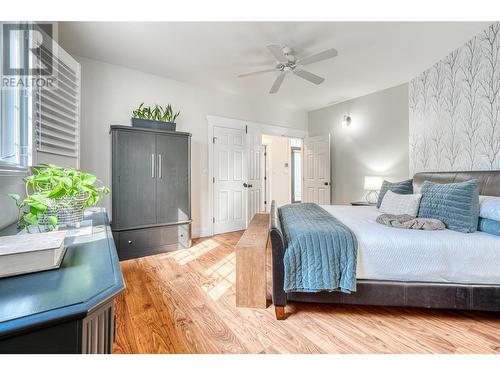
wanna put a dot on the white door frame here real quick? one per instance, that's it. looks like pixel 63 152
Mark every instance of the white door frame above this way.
pixel 226 122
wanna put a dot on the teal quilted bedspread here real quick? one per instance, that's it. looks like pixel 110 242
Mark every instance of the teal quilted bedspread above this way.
pixel 320 250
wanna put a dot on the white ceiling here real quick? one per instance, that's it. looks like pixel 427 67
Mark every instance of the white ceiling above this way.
pixel 372 55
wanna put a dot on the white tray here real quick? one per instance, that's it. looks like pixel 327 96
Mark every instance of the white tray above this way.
pixel 28 253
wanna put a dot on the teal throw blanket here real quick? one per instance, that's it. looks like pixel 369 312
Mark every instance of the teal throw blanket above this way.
pixel 320 251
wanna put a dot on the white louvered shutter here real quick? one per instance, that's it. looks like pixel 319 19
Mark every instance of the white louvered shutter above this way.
pixel 56 112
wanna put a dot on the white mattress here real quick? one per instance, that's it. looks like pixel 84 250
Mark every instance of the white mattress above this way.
pixel 386 253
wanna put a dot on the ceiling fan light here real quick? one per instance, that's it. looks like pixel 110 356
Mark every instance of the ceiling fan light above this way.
pixel 286 62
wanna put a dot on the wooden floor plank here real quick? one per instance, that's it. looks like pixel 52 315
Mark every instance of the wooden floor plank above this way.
pixel 125 340
pixel 150 337
pixel 181 323
pixel 185 302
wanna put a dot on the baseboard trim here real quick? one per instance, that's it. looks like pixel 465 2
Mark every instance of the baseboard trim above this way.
pixel 198 232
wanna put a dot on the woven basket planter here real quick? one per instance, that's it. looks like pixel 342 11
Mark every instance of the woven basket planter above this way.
pixel 68 210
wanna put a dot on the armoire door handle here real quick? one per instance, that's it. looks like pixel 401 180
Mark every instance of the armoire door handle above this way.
pixel 159 166
pixel 152 165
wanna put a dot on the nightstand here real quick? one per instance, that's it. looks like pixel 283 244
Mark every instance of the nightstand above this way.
pixel 362 203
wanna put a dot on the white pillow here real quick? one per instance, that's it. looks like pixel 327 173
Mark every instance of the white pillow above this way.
pixel 400 204
pixel 489 207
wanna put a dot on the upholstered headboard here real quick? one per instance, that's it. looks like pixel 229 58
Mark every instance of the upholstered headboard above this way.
pixel 488 181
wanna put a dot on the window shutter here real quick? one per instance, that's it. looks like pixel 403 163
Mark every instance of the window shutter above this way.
pixel 56 111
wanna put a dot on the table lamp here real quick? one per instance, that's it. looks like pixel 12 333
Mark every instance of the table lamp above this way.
pixel 372 185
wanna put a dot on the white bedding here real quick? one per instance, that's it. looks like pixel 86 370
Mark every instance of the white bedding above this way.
pixel 386 253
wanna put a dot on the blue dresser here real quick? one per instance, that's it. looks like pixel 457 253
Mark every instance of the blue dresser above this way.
pixel 68 310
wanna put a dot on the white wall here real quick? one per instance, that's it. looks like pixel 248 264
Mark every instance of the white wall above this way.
pixel 111 92
pixel 375 144
pixel 279 168
pixel 8 211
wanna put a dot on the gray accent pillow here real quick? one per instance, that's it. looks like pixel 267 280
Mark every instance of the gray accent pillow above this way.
pixel 403 187
pixel 456 204
pixel 400 204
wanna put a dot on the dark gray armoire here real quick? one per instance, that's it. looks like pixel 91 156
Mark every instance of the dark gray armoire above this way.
pixel 151 190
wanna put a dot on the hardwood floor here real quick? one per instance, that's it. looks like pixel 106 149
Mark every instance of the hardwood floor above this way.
pixel 184 302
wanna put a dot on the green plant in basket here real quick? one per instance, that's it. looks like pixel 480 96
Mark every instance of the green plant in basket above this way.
pixel 52 190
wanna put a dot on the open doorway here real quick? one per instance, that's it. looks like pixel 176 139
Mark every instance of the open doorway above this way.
pixel 236 170
pixel 282 170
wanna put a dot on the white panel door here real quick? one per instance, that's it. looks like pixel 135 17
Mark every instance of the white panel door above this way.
pixel 255 184
pixel 317 170
pixel 230 201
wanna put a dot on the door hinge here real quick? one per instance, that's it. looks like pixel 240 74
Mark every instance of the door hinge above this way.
pixel 265 153
pixel 213 139
pixel 213 220
pixel 265 178
pixel 213 180
pixel 265 202
pixel 246 129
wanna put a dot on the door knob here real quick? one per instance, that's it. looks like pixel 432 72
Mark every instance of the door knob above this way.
pixel 249 185
pixel 326 183
pixel 245 184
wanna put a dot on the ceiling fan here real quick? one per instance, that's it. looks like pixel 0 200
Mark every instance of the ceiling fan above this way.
pixel 286 63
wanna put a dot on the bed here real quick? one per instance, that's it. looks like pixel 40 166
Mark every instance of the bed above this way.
pixel 410 268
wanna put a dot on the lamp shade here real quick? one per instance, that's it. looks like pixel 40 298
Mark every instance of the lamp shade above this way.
pixel 373 182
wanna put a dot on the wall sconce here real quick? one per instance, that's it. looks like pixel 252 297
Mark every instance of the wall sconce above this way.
pixel 346 122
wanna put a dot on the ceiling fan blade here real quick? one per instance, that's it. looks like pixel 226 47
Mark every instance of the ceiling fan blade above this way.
pixel 277 83
pixel 257 72
pixel 277 52
pixel 328 54
pixel 308 76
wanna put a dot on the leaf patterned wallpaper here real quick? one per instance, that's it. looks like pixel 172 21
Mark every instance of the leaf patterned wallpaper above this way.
pixel 454 109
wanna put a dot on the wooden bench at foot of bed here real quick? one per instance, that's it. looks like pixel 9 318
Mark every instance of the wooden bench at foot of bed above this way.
pixel 251 264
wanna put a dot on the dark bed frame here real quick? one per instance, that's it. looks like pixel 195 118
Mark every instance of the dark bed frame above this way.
pixel 395 293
